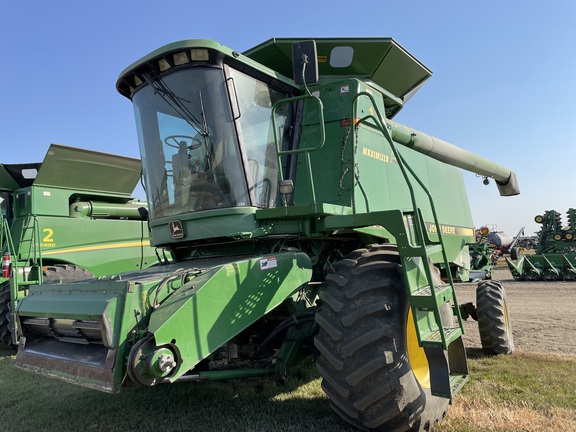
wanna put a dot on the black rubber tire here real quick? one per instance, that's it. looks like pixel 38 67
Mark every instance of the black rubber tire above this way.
pixel 5 323
pixel 65 273
pixel 364 360
pixel 514 253
pixel 493 318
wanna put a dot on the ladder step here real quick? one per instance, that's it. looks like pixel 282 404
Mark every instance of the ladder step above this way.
pixel 427 291
pixel 457 381
pixel 448 369
pixel 434 339
pixel 28 282
pixel 424 299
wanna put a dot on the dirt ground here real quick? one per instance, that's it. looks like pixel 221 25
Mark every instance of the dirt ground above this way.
pixel 542 314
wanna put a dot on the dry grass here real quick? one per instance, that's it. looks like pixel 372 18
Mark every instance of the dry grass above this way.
pixel 518 393
pixel 489 415
pixel 524 392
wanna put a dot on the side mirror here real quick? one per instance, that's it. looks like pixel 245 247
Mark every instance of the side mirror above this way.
pixel 304 62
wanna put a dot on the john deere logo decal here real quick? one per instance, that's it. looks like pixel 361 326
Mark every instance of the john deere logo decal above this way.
pixel 176 230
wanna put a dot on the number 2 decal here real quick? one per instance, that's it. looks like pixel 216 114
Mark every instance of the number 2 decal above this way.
pixel 48 237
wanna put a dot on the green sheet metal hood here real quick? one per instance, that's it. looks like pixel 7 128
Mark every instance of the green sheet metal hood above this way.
pixel 381 60
pixel 11 176
pixel 70 167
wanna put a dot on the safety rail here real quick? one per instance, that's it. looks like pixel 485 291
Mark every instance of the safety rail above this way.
pixel 6 243
pixel 419 225
pixel 306 151
pixel 28 260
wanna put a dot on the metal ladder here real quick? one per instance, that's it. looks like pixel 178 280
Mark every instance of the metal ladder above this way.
pixel 29 254
pixel 442 342
pixel 428 294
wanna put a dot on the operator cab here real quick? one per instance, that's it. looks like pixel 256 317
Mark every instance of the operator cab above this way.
pixel 12 178
pixel 206 133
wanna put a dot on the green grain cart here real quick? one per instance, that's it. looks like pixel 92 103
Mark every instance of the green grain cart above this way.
pixel 70 217
pixel 301 219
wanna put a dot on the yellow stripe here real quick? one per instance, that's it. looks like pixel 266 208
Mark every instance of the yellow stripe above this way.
pixel 468 231
pixel 100 247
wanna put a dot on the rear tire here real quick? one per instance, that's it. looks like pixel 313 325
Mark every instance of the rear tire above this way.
pixel 5 322
pixel 373 374
pixel 493 318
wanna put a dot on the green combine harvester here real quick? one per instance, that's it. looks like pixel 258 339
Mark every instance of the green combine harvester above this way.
pixel 68 218
pixel 301 218
pixel 555 254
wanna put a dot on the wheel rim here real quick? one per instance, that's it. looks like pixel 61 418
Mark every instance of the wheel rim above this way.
pixel 506 322
pixel 416 354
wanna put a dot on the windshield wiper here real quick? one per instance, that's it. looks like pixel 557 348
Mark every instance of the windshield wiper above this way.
pixel 177 104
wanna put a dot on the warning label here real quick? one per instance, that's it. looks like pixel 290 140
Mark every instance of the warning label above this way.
pixel 268 263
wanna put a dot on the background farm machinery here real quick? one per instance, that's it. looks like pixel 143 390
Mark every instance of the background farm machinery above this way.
pixel 489 247
pixel 483 255
pixel 68 218
pixel 555 254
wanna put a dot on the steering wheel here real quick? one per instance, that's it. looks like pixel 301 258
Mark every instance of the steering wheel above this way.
pixel 194 142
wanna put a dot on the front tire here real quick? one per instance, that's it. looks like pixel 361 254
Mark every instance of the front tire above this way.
pixel 493 318
pixel 374 373
pixel 65 273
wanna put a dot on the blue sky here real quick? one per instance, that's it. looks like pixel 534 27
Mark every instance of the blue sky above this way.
pixel 504 83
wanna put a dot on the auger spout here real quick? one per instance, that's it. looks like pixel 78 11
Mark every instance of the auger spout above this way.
pixel 456 156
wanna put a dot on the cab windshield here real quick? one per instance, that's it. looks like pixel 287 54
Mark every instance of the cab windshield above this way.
pixel 206 141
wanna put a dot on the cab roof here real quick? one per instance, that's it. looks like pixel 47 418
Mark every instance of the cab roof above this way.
pixel 381 61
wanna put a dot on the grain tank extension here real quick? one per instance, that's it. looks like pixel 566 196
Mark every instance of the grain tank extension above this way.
pixel 301 218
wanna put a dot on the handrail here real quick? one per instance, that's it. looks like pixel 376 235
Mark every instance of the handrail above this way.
pixel 34 253
pixel 419 225
pixel 306 151
pixel 6 243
